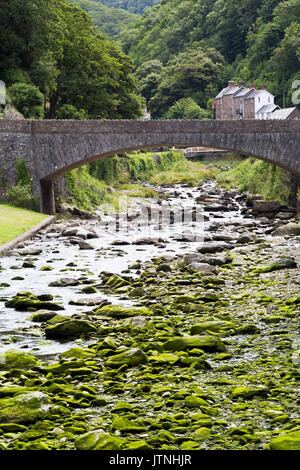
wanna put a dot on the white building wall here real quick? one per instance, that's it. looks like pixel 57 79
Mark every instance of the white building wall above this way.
pixel 262 98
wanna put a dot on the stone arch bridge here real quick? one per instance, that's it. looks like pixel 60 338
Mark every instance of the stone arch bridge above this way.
pixel 52 148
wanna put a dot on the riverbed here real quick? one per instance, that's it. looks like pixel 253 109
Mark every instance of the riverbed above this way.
pixel 193 294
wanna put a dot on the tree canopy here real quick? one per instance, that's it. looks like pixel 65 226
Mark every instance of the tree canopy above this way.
pixel 53 45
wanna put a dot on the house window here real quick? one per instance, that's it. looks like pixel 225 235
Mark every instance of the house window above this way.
pixel 269 99
pixel 259 99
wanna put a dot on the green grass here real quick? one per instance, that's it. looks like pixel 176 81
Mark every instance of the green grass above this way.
pixel 15 221
pixel 257 177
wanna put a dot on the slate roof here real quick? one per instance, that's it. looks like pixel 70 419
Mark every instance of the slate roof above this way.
pixel 282 113
pixel 268 108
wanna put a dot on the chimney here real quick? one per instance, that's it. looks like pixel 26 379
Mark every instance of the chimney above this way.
pixel 252 85
pixel 231 83
pixel 264 86
pixel 241 84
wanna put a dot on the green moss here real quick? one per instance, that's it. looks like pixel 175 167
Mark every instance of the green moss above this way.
pixel 125 425
pixel 17 360
pixel 25 301
pixel 290 441
pixel 132 358
pixel 118 311
pixel 206 343
pixel 25 408
pixel 98 440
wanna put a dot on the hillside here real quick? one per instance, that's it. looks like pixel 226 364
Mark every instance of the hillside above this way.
pixel 133 6
pixel 111 21
pixel 249 40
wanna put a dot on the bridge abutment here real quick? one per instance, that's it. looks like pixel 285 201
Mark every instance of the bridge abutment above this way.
pixel 47 197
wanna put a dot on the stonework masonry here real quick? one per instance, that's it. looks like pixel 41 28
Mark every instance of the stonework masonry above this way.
pixel 52 148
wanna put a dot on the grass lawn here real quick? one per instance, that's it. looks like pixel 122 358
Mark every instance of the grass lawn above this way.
pixel 15 221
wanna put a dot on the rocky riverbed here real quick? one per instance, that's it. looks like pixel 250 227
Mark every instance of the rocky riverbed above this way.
pixel 174 330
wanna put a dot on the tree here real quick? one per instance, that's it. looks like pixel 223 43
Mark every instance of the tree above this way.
pixel 28 100
pixel 187 75
pixel 186 108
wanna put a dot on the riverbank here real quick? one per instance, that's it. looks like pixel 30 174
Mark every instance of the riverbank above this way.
pixel 181 340
pixel 15 221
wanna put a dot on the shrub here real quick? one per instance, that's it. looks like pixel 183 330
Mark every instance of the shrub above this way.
pixel 20 196
pixel 28 100
pixel 68 111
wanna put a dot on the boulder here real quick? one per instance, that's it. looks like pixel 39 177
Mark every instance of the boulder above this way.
pixel 25 408
pixel 206 343
pixel 131 357
pixel 12 359
pixel 118 311
pixel 290 229
pixel 216 326
pixel 41 316
pixel 214 247
pixel 65 282
pixel 98 440
pixel 27 302
pixel 70 328
pixel 259 206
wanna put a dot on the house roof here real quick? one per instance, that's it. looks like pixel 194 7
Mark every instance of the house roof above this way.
pixel 242 92
pixel 282 113
pixel 268 108
pixel 230 90
pixel 254 93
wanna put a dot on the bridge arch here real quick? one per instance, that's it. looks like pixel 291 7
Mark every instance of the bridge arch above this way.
pixel 52 148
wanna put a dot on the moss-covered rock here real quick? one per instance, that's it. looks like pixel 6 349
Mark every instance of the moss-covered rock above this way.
pixel 201 434
pixel 132 357
pixel 206 343
pixel 215 326
pixel 26 408
pixel 290 441
pixel 42 316
pixel 12 359
pixel 27 302
pixel 118 311
pixel 138 445
pixel 12 427
pixel 249 392
pixel 70 328
pixel 164 358
pixel 192 401
pixel 126 425
pixel 98 440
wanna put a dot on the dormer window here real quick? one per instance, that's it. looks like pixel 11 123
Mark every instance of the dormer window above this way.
pixel 259 99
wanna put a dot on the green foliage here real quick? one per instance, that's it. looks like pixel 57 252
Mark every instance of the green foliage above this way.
pixel 23 174
pixel 258 41
pixel 68 111
pixel 258 177
pixel 186 108
pixel 85 190
pixel 20 196
pixel 88 185
pixel 28 100
pixel 134 6
pixel 111 21
pixel 54 45
pixel 189 75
